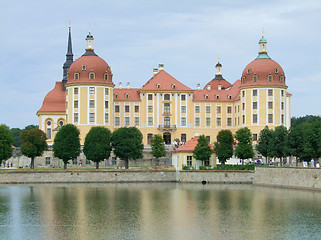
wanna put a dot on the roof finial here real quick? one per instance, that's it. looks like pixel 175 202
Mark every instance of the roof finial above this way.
pixel 69 23
pixel 262 32
pixel 218 58
pixel 89 27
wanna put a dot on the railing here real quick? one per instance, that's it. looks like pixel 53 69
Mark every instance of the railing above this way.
pixel 167 126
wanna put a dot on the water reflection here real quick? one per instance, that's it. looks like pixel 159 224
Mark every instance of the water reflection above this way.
pixel 157 211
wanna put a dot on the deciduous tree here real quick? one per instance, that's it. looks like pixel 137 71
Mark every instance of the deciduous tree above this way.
pixel 97 144
pixel 5 143
pixel 33 144
pixel 202 150
pixel 224 146
pixel 265 142
pixel 67 143
pixel 244 148
pixel 280 142
pixel 127 144
pixel 158 147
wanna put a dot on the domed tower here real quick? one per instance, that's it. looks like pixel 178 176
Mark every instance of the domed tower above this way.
pixel 89 90
pixel 263 96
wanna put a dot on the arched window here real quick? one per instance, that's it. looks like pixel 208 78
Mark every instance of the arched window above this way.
pixel 83 67
pixel 270 78
pixel 158 85
pixel 106 76
pixel 76 76
pixel 243 79
pixel 276 70
pixel 167 97
pixel 173 86
pixel 92 76
pixel 61 123
pixel 149 138
pixel 49 129
pixel 281 79
pixel 255 78
pixel 206 96
pixel 127 96
pixel 248 71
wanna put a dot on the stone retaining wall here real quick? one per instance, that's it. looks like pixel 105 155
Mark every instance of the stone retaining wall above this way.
pixel 300 178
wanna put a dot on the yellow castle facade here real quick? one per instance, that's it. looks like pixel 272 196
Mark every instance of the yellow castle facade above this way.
pixel 88 97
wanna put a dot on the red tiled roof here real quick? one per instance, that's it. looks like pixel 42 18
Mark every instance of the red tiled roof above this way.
pixel 229 94
pixel 190 145
pixel 132 94
pixel 166 82
pixel 55 100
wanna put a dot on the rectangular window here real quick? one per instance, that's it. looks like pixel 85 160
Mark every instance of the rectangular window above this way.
pixel 183 137
pixel 91 90
pixel 106 91
pixel 106 104
pixel 229 109
pixel 282 119
pixel 197 109
pixel 270 105
pixel 113 160
pixel 270 118
pixel 183 121
pixel 218 121
pixel 282 93
pixel 127 108
pixel 229 121
pixel 76 104
pixel 208 138
pixel 150 96
pixel 254 92
pixel 117 121
pixel 243 119
pixel 91 103
pixel 117 108
pixel 282 105
pixel 126 121
pixel 243 106
pixel 189 161
pixel 243 93
pixel 167 108
pixel 136 121
pixel 75 117
pixel 254 105
pixel 238 108
pixel 183 97
pixel 208 109
pixel 218 109
pixel 270 92
pixel 47 160
pixel 76 90
pixel 150 121
pixel 167 122
pixel 208 122
pixel 91 117
pixel 254 136
pixel 183 109
pixel 197 121
pixel 136 109
pixel 150 109
pixel 254 118
pixel 235 109
pixel 106 117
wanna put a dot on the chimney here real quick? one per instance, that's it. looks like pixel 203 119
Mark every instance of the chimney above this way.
pixel 128 85
pixel 160 67
pixel 208 87
pixel 219 87
pixel 198 86
pixel 119 85
pixel 155 71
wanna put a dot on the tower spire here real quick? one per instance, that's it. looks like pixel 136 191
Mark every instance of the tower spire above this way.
pixel 263 51
pixel 69 60
pixel 218 66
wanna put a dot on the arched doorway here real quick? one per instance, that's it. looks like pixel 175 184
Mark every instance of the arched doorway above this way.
pixel 167 138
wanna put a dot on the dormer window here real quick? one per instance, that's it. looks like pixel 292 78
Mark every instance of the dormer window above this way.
pixel 83 67
pixel 126 96
pixel 173 86
pixel 92 76
pixel 276 70
pixel 76 76
pixel 229 96
pixel 243 79
pixel 270 78
pixel 158 85
pixel 254 78
pixel 206 96
pixel 116 95
pixel 281 79
pixel 248 71
pixel 106 76
pixel 217 96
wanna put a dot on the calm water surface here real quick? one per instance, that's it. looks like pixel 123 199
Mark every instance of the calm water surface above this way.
pixel 157 211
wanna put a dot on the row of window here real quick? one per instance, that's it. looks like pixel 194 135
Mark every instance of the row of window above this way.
pixel 167 97
pixel 270 92
pixel 91 76
pixel 255 78
pixel 91 91
pixel 91 104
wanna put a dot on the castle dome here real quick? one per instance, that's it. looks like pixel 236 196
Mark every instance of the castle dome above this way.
pixel 89 68
pixel 263 70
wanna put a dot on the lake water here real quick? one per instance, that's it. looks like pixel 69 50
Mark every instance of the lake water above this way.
pixel 157 211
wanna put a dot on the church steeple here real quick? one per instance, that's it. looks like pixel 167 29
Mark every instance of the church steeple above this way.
pixel 69 60
pixel 218 75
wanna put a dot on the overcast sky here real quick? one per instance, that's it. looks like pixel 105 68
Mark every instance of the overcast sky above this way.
pixel 134 36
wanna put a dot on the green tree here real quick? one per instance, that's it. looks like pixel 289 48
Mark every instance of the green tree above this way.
pixel 33 144
pixel 202 150
pixel 312 141
pixel 6 141
pixel 295 142
pixel 127 144
pixel 31 127
pixel 296 121
pixel 158 147
pixel 97 144
pixel 224 146
pixel 265 142
pixel 280 143
pixel 15 134
pixel 66 144
pixel 244 148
